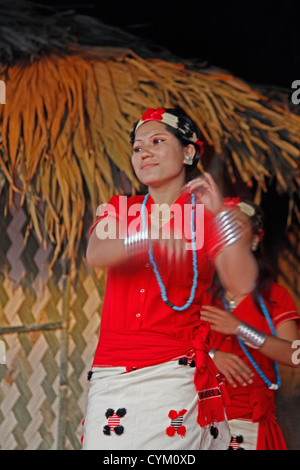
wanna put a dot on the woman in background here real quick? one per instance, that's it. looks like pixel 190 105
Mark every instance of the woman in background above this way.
pixel 251 374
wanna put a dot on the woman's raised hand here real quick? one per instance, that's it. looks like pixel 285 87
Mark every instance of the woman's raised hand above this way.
pixel 206 192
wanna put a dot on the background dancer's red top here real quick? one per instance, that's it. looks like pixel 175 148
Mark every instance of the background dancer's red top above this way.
pixel 255 401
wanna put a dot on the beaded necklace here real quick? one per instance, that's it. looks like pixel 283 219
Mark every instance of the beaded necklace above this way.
pixel 154 265
pixel 271 385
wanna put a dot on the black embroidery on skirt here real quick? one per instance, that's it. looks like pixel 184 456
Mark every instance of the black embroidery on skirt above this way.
pixel 113 423
pixel 184 361
pixel 89 375
pixel 214 432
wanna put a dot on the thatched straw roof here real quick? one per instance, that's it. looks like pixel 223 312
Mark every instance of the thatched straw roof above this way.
pixel 69 110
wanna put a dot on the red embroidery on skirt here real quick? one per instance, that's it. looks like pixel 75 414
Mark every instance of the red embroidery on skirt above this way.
pixel 235 443
pixel 176 426
pixel 81 439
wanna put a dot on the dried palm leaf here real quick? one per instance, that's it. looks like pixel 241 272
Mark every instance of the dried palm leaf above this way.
pixel 65 130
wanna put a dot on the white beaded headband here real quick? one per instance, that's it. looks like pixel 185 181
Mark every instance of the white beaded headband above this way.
pixel 161 115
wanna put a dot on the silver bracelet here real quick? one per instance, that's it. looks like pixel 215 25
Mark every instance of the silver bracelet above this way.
pixel 212 353
pixel 227 226
pixel 136 241
pixel 251 336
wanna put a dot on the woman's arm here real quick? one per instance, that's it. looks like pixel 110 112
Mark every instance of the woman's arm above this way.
pixel 236 265
pixel 276 348
pixel 237 268
pixel 280 348
pixel 113 250
pixel 104 253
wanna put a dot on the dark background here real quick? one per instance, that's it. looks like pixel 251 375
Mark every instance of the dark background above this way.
pixel 256 41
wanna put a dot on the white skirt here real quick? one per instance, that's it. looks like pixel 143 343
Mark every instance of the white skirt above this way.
pixel 153 408
pixel 243 434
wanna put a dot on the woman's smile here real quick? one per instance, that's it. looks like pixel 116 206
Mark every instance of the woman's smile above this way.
pixel 147 165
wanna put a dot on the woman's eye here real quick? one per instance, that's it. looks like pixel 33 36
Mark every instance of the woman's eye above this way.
pixel 155 141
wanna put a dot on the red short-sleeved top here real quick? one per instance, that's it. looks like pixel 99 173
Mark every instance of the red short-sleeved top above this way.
pixel 133 303
pixel 256 400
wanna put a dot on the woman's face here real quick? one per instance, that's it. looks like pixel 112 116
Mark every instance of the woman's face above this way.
pixel 158 156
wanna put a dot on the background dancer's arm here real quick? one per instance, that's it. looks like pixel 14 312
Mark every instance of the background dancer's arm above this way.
pixel 280 348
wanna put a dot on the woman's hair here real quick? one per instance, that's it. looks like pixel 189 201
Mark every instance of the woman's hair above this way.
pixel 265 272
pixel 187 129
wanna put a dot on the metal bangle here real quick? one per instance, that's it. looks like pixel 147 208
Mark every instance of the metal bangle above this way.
pixel 227 216
pixel 136 240
pixel 228 229
pixel 212 353
pixel 251 336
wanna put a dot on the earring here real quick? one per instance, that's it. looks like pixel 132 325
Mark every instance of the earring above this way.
pixel 254 246
pixel 188 160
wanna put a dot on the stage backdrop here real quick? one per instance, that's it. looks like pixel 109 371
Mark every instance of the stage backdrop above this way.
pixel 63 150
pixel 50 325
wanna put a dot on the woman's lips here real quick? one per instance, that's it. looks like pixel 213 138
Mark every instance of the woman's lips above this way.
pixel 148 165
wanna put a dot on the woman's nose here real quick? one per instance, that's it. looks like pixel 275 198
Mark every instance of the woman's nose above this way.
pixel 146 153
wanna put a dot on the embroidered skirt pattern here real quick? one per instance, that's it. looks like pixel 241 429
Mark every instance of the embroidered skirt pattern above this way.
pixel 151 408
pixel 243 434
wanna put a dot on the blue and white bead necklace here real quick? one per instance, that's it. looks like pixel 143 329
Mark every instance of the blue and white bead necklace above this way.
pixel 271 385
pixel 154 265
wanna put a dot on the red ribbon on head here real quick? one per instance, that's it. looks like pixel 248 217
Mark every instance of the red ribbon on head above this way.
pixel 152 114
pixel 231 201
pixel 156 114
pixel 200 144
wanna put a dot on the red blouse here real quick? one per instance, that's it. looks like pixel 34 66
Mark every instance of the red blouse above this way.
pixel 137 327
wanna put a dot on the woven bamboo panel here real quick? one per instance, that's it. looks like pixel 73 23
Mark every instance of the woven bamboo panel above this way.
pixel 83 331
pixel 29 403
pixel 49 321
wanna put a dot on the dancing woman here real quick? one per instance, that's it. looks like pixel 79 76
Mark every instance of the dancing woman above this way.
pixel 153 384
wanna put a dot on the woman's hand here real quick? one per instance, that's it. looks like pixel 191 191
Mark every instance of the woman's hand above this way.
pixel 220 320
pixel 234 369
pixel 207 192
